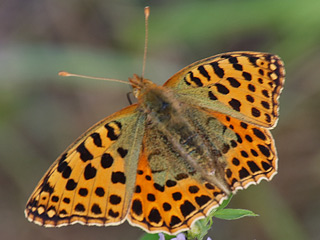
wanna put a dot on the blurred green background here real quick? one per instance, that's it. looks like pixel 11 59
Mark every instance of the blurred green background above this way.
pixel 41 113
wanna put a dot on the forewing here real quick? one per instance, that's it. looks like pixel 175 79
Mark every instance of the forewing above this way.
pixel 245 85
pixel 92 182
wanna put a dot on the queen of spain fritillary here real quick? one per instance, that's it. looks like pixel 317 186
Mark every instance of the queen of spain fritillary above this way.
pixel 175 155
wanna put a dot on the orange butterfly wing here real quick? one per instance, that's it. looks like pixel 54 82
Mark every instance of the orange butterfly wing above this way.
pixel 245 85
pixel 92 181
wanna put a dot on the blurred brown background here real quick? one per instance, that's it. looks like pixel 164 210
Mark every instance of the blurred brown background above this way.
pixel 41 113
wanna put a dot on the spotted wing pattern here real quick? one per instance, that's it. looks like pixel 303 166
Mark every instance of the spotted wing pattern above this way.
pixel 245 85
pixel 170 196
pixel 91 182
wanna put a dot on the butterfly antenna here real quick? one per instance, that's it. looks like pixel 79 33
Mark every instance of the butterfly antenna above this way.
pixel 146 16
pixel 66 74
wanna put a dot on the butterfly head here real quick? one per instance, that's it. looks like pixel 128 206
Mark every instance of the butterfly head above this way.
pixel 139 85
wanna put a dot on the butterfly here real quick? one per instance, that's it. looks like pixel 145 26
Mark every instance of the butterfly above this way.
pixel 168 160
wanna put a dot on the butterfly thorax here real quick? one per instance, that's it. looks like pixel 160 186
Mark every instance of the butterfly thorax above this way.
pixel 170 117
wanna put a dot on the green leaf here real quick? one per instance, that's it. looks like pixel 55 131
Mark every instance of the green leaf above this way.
pixel 231 214
pixel 224 203
pixel 149 236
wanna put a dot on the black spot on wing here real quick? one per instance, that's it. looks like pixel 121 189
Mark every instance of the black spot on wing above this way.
pixel 66 172
pixel 83 192
pixel 222 89
pixel 62 166
pixel 176 196
pixel 170 183
pixel 237 66
pixel 233 60
pixel 114 199
pixel 204 72
pixel 264 150
pixel 166 206
pixel 113 130
pixel 137 207
pixel 96 139
pixel 235 104
pixel 187 208
pixel 196 80
pixel 235 161
pixel 154 216
pixel 251 87
pixel 247 76
pixel 151 197
pixel 138 189
pixel 243 173
pixel 55 199
pixel 113 214
pixel 255 112
pixel 217 70
pixel 202 200
pixel 259 133
pixel 193 189
pixel 122 152
pixel 266 166
pixel 249 98
pixel 253 60
pixel 265 104
pixel 79 208
pixel 118 177
pixel 85 155
pixel 253 166
pixel 99 192
pixel 71 185
pixel 90 172
pixel 233 82
pixel 106 160
pixel 174 221
pixel 96 209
